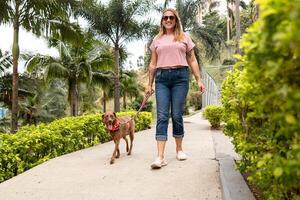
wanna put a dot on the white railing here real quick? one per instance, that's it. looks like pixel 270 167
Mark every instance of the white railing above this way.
pixel 211 96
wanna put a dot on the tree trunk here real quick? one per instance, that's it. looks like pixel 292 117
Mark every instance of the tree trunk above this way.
pixel 237 25
pixel 124 101
pixel 117 80
pixel 228 23
pixel 73 99
pixel 104 102
pixel 228 28
pixel 15 54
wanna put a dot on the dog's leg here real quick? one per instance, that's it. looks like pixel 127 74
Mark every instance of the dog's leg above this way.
pixel 131 136
pixel 118 153
pixel 127 147
pixel 112 160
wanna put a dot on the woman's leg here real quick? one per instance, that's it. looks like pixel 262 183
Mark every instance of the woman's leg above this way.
pixel 162 107
pixel 163 102
pixel 179 92
pixel 178 144
pixel 161 149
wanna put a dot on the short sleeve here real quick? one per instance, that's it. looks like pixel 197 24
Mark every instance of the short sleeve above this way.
pixel 190 44
pixel 153 45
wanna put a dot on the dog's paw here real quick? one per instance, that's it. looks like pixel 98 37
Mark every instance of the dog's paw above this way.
pixel 118 156
pixel 129 153
pixel 112 162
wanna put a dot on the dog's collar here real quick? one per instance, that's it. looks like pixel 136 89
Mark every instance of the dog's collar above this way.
pixel 115 126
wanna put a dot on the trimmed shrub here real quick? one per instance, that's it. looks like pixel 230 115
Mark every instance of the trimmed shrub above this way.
pixel 142 121
pixel 214 115
pixel 33 145
pixel 261 101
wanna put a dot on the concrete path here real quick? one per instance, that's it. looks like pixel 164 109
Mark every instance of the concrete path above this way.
pixel 87 174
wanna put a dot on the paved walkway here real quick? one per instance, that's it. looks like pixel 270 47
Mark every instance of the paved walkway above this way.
pixel 87 174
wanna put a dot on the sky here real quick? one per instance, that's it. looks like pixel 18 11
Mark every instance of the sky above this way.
pixel 30 43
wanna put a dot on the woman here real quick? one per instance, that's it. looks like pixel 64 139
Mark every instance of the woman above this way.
pixel 171 54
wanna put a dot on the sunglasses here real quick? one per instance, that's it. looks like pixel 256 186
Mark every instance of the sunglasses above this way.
pixel 165 18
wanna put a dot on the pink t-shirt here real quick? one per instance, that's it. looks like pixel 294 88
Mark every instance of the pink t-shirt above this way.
pixel 170 53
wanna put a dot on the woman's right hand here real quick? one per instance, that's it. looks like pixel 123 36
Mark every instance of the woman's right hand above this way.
pixel 201 86
pixel 149 90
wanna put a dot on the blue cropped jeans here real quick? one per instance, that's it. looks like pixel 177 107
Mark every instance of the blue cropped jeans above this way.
pixel 171 88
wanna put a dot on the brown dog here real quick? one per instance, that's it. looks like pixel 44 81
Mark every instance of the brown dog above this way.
pixel 118 128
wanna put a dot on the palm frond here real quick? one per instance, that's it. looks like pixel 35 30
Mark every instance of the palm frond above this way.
pixel 56 70
pixel 116 22
pixel 5 12
pixel 63 51
pixel 243 4
pixel 103 78
pixel 85 72
pixel 34 63
pixel 211 41
pixel 5 62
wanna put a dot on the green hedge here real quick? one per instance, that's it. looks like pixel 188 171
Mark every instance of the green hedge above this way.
pixel 262 101
pixel 33 145
pixel 214 114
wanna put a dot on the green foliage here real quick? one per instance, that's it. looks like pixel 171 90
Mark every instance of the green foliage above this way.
pixel 262 110
pixel 142 121
pixel 136 104
pixel 117 23
pixel 33 145
pixel 214 114
pixel 195 100
pixel 228 62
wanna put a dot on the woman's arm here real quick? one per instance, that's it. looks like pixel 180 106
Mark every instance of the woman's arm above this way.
pixel 152 70
pixel 192 61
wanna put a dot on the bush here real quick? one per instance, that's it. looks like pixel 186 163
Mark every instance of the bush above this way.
pixel 228 62
pixel 214 115
pixel 195 100
pixel 261 101
pixel 33 145
pixel 136 104
pixel 142 121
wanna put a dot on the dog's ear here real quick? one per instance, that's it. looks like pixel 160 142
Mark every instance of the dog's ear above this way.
pixel 103 117
pixel 115 115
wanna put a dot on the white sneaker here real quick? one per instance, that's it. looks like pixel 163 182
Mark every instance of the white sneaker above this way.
pixel 181 156
pixel 158 163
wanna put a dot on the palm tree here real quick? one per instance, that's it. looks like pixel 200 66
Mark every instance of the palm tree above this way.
pixel 24 91
pixel 75 65
pixel 29 109
pixel 72 66
pixel 33 16
pixel 211 39
pixel 103 76
pixel 107 94
pixel 129 86
pixel 231 18
pixel 46 102
pixel 187 11
pixel 116 23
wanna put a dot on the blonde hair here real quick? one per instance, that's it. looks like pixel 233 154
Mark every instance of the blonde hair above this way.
pixel 178 33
